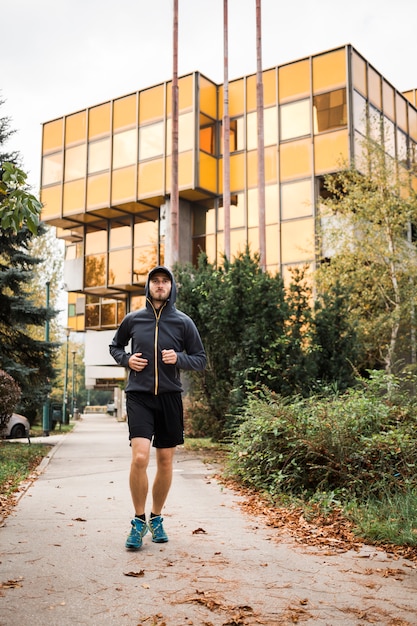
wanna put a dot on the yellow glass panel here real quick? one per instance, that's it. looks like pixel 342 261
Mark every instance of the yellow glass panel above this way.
pixel 237 212
pixel 51 199
pixel 145 257
pixel 151 178
pixel 412 122
pixel 75 162
pixel 236 98
pixel 208 172
pixel 237 172
pixel 359 73
pixel 96 241
pixel 124 112
pixel 253 204
pixel 120 267
pixel 237 242
pixel 270 126
pixel 211 221
pixel 123 185
pixel 220 249
pixel 271 164
pixel 145 232
pixel 76 128
pixel 271 204
pixel 52 135
pixel 74 197
pixel 388 100
pixel 253 239
pixel 252 131
pixel 401 108
pixel 295 159
pixel 294 80
pixel 269 80
pixel 329 70
pixel 95 270
pixel 99 120
pixel 98 191
pixel 374 87
pixel 296 199
pixel 331 149
pixel 251 93
pixel 151 104
pixel 52 168
pixel 186 170
pixel 208 97
pixel 211 248
pixel 297 240
pixel 252 168
pixel 185 94
pixel 272 245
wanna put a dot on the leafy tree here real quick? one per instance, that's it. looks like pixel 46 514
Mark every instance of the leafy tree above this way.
pixel 369 220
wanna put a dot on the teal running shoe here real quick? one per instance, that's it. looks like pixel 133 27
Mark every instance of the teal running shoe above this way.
pixel 137 532
pixel 158 533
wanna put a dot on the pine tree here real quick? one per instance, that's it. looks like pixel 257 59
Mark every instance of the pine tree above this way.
pixel 27 359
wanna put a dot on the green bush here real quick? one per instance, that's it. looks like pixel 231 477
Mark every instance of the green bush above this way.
pixel 361 443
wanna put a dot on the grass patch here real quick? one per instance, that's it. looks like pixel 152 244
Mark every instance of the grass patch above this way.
pixel 388 519
pixel 209 450
pixel 17 462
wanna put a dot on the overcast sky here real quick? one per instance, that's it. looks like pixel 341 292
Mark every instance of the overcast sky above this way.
pixel 60 56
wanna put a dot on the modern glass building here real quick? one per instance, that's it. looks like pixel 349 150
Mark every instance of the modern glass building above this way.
pixel 106 177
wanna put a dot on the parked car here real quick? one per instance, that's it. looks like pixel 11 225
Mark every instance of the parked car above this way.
pixel 17 427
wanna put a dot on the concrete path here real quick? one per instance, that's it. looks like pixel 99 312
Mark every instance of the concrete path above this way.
pixel 63 561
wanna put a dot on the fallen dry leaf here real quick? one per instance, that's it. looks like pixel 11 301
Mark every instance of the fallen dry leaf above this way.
pixel 138 574
pixel 199 531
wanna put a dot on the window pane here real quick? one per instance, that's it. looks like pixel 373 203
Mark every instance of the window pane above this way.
pixel 124 148
pixel 252 131
pixel 330 110
pixel 92 315
pixel 295 119
pixel 207 139
pixel 270 126
pixel 75 162
pixel 52 169
pixel 271 204
pixel 402 146
pixel 120 236
pixel 237 135
pixel 96 241
pixel 95 270
pixel 120 265
pixel 98 156
pixel 145 232
pixel 108 314
pixel 359 113
pixel 389 137
pixel 296 199
pixel 151 141
pixel 185 133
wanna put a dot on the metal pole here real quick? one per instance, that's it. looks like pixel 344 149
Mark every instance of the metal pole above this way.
pixel 45 415
pixel 64 399
pixel 73 352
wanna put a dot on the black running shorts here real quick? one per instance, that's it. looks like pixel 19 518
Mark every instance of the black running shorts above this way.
pixel 156 417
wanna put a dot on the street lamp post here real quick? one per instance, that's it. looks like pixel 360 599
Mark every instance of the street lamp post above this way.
pixel 73 352
pixel 64 398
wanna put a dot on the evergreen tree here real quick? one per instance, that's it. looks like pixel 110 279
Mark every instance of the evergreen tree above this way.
pixel 27 359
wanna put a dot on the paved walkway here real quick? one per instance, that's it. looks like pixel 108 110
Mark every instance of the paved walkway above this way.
pixel 63 561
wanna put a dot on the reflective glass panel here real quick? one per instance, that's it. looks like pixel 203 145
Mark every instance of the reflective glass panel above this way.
pixel 99 156
pixel 108 314
pixel 120 267
pixel 295 119
pixel 296 199
pixel 294 80
pixel 185 133
pixel 124 111
pixel 389 137
pixel 329 70
pixel 401 110
pixel 144 258
pixel 359 73
pixel 120 236
pixel 271 204
pixel 208 138
pixel 296 160
pixel 92 315
pixel 124 148
pixel 52 169
pixel 402 146
pixel 75 162
pixel 359 113
pixel 76 128
pixel 99 120
pixel 96 241
pixel 388 100
pixel 375 124
pixel 237 135
pixel 95 270
pixel 270 126
pixel 374 87
pixel 151 104
pixel 145 232
pixel 330 110
pixel 151 141
pixel 253 208
pixel 297 238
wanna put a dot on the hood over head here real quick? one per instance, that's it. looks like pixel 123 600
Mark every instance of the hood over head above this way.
pixel 162 269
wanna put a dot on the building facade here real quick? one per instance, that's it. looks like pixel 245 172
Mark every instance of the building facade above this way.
pixel 106 177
